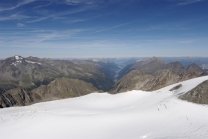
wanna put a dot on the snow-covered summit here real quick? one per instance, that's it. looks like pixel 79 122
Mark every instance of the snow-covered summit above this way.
pixel 18 57
pixel 16 60
pixel 19 60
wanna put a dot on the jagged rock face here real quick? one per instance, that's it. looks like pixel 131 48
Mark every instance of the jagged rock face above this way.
pixel 58 89
pixel 161 79
pixel 197 95
pixel 15 97
pixel 133 80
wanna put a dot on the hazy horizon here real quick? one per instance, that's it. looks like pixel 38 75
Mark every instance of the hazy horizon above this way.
pixel 138 57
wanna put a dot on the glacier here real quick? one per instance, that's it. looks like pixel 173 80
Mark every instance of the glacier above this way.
pixel 130 115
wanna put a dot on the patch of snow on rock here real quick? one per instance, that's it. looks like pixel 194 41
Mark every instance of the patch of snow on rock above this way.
pixel 32 62
pixel 18 57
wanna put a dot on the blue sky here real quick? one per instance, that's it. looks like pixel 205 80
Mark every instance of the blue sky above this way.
pixel 103 28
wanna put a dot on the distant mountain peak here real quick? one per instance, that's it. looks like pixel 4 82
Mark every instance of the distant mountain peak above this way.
pixel 150 65
pixel 193 65
pixel 155 59
pixel 15 60
pixel 177 63
pixel 194 68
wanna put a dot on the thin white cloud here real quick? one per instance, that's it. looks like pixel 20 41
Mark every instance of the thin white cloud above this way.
pixel 164 27
pixel 38 19
pixel 56 35
pixel 40 6
pixel 117 26
pixel 185 2
pixel 74 2
pixel 15 16
pixel 75 21
pixel 86 45
pixel 20 25
pixel 24 2
pixel 88 2
pixel 37 36
pixel 85 6
pixel 52 39
pixel 54 16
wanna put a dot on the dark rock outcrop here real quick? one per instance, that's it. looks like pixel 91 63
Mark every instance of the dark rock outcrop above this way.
pixel 197 95
pixel 176 87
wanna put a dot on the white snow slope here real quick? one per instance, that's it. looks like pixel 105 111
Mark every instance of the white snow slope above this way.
pixel 130 115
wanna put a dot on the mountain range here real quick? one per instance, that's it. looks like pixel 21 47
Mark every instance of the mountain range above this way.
pixel 154 73
pixel 25 81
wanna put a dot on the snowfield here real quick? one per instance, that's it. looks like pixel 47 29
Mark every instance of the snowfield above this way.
pixel 130 115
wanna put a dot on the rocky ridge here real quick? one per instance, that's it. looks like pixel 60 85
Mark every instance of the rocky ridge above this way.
pixel 58 89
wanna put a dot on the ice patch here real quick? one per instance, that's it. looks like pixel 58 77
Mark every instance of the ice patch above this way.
pixel 32 62
pixel 14 64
